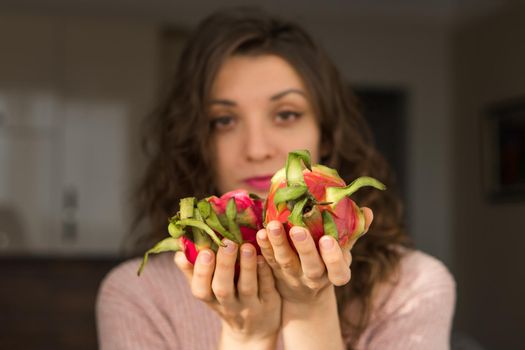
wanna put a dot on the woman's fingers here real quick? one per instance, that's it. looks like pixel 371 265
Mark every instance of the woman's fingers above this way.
pixel 348 257
pixel 222 283
pixel 184 265
pixel 266 248
pixel 202 276
pixel 284 255
pixel 267 291
pixel 334 259
pixel 247 284
pixel 311 263
pixel 369 217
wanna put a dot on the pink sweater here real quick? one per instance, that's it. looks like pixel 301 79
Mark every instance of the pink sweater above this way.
pixel 158 311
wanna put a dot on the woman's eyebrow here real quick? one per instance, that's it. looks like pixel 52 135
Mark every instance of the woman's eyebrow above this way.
pixel 286 92
pixel 231 103
pixel 223 102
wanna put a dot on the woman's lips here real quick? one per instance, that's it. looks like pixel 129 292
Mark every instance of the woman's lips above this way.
pixel 260 183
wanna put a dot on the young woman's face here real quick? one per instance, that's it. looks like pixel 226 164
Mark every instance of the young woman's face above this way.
pixel 259 111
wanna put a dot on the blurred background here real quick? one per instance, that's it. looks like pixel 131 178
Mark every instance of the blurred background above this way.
pixel 442 83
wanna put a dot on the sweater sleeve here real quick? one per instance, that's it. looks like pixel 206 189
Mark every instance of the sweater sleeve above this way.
pixel 419 316
pixel 127 317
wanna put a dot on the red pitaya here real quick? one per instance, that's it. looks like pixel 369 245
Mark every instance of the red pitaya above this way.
pixel 316 198
pixel 236 215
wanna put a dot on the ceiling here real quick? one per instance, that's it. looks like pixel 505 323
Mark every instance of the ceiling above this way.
pixel 187 13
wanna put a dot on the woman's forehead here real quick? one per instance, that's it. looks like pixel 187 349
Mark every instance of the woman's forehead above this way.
pixel 262 74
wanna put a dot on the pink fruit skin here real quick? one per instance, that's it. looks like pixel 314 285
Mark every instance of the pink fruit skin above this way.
pixel 250 208
pixel 189 249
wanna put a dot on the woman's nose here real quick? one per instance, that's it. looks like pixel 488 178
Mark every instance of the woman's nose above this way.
pixel 258 142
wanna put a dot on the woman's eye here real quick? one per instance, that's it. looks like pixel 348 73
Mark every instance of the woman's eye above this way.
pixel 288 116
pixel 222 123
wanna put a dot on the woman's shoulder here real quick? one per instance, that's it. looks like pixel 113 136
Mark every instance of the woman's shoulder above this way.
pixel 157 279
pixel 128 269
pixel 152 310
pixel 421 271
pixel 419 277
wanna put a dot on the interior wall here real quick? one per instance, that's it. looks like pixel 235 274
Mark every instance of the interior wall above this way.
pixel 489 236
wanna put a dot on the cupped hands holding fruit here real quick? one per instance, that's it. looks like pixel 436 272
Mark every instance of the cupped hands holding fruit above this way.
pixel 219 256
pixel 237 284
pixel 310 225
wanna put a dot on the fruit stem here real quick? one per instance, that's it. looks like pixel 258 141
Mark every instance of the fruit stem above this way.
pixel 335 194
pixel 296 216
pixel 231 214
pixel 285 194
pixel 166 245
pixel 186 207
pixel 200 238
pixel 201 225
pixel 294 167
pixel 329 226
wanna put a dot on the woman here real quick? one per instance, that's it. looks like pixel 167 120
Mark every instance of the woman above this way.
pixel 250 88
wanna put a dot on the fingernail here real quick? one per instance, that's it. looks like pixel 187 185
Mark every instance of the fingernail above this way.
pixel 205 257
pixel 262 235
pixel 275 229
pixel 298 234
pixel 229 246
pixel 247 252
pixel 326 242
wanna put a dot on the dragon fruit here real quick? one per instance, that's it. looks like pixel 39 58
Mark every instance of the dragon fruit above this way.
pixel 317 198
pixel 236 215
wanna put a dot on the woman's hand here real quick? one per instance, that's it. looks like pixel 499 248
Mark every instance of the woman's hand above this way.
pixel 251 309
pixel 306 282
pixel 301 276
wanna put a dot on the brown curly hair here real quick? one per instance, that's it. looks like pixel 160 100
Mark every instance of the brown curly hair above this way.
pixel 177 140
